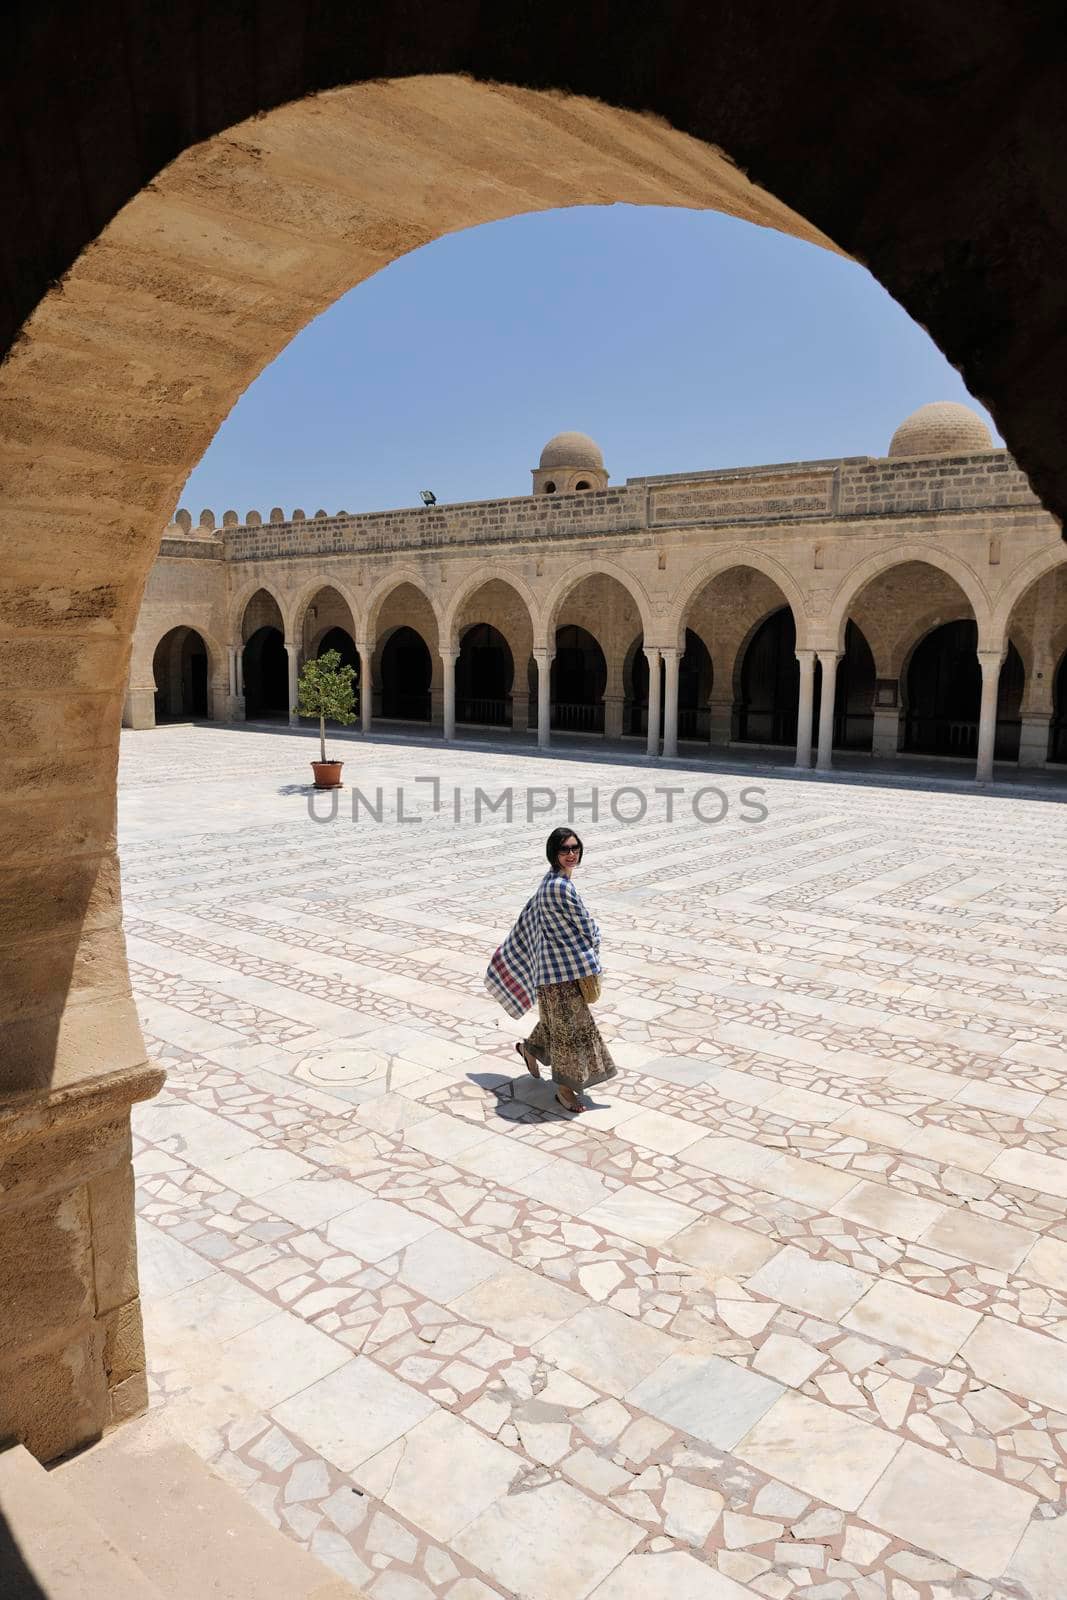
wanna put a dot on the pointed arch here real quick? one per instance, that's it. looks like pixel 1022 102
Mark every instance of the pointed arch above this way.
pixel 545 623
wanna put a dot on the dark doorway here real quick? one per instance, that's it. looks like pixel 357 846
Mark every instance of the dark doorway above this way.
pixel 407 673
pixel 579 678
pixel 265 666
pixel 483 677
pixel 770 683
pixel 180 672
pixel 944 695
pixel 341 640
pixel 1057 743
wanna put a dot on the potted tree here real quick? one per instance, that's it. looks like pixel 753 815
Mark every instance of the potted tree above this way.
pixel 325 690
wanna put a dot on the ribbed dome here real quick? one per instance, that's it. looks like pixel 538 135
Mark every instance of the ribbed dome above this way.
pixel 572 450
pixel 942 428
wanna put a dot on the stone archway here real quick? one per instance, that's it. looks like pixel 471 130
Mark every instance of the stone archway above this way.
pixel 181 672
pixel 180 282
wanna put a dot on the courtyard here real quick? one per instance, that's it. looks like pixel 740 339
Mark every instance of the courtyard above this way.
pixel 782 1315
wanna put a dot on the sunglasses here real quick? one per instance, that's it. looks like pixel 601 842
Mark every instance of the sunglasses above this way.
pixel 569 849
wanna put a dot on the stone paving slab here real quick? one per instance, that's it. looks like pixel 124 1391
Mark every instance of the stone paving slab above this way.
pixel 784 1315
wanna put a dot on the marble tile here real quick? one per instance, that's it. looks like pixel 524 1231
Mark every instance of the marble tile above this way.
pixel 642 1216
pixel 813 1185
pixel 788 1360
pixel 984 1240
pixel 954 1149
pixel 1031 1169
pixel 314 1199
pixel 944 1506
pixel 518 1305
pixel 164 1265
pixel 822 1288
pixel 441 1474
pixel 277 1357
pixel 377 1229
pixel 606 1349
pixel 1040 1560
pixel 502 1159
pixel 669 1575
pixel 217 1307
pixel 715 1400
pixel 653 1130
pixel 818 1449
pixel 256 1172
pixel 686 1070
pixel 442 1265
pixel 732 1158
pixel 353 1412
pixel 722 1248
pixel 550 1543
pixel 445 1136
pixel 893 1314
pixel 1019 1361
pixel 1046 1262
pixel 187 1128
pixel 891 1211
pixel 564 1185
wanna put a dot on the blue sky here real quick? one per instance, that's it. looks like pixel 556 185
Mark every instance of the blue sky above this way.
pixel 680 340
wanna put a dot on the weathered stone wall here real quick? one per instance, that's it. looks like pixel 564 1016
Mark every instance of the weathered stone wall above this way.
pixel 897 545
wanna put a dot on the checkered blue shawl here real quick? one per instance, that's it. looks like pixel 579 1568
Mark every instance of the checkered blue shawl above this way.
pixel 554 939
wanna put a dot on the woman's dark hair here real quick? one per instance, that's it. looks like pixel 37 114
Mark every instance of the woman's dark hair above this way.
pixel 555 839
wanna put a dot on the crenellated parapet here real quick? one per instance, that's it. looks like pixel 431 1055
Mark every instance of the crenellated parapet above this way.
pixel 839 490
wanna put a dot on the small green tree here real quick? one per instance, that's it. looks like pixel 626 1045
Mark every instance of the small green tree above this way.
pixel 325 690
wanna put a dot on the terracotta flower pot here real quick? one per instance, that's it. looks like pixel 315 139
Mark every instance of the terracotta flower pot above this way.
pixel 327 774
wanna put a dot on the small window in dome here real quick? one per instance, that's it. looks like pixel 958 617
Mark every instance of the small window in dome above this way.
pixel 550 487
pixel 581 484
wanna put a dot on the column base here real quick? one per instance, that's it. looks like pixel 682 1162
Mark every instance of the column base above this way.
pixel 1033 741
pixel 139 710
pixel 233 708
pixel 72 1360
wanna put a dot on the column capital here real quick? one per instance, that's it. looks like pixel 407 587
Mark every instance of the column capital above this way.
pixel 652 650
pixel 803 655
pixel 448 655
pixel 292 645
pixel 543 653
pixel 992 659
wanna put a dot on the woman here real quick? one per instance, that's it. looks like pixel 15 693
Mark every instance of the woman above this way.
pixel 554 943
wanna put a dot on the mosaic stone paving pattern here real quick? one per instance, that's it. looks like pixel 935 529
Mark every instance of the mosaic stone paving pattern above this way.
pixel 783 1315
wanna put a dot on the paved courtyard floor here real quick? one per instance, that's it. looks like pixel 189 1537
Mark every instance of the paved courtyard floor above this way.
pixel 785 1315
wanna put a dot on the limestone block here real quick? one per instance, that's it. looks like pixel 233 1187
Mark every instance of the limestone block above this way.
pixel 54 1399
pixel 46 1268
pixel 111 1202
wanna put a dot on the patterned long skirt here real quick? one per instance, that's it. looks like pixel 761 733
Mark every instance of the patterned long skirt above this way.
pixel 567 1039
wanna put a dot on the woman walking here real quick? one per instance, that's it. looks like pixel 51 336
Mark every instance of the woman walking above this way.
pixel 553 945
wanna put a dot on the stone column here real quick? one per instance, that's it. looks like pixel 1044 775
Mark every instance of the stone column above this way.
pixel 366 687
pixel 544 697
pixel 720 721
pixel 804 708
pixel 828 660
pixel 670 701
pixel 293 652
pixel 652 747
pixel 885 731
pixel 613 715
pixel 233 706
pixel 520 713
pixel 990 662
pixel 139 710
pixel 448 665
pixel 241 670
pixel 1033 739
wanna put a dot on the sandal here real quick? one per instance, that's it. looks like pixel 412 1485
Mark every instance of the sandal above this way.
pixel 574 1110
pixel 529 1061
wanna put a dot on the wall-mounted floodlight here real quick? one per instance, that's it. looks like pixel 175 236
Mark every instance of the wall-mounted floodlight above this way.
pixel 427 497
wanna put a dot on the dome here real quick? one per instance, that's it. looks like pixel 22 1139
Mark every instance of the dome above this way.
pixel 942 428
pixel 572 450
